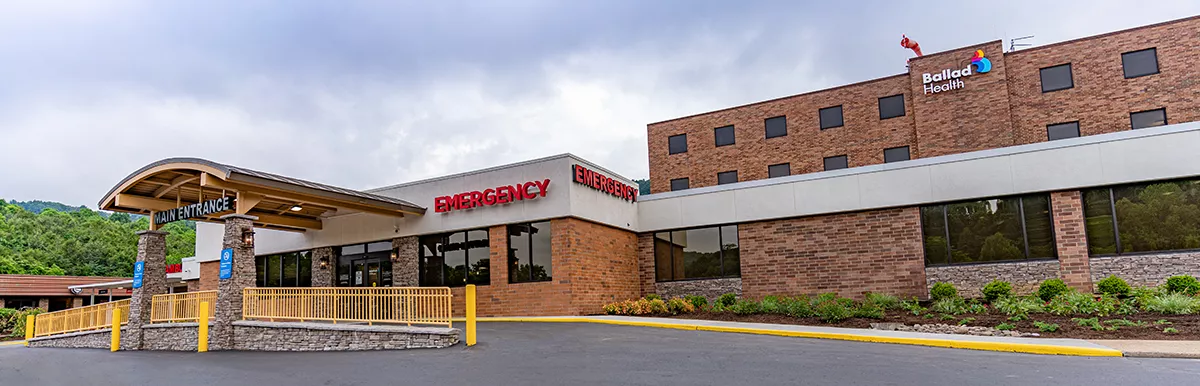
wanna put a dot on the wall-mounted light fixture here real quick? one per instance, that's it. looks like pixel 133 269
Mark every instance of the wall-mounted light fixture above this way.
pixel 394 255
pixel 248 238
pixel 324 262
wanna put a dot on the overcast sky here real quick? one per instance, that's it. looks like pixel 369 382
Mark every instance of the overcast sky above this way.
pixel 367 94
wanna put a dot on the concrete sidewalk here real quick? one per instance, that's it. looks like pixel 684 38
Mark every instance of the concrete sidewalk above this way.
pixel 1080 347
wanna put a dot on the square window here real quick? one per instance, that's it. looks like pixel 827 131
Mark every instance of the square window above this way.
pixel 679 184
pixel 776 127
pixel 891 107
pixel 1057 78
pixel 837 162
pixel 895 154
pixel 1062 130
pixel 779 170
pixel 1140 63
pixel 723 135
pixel 728 177
pixel 677 143
pixel 1148 118
pixel 831 117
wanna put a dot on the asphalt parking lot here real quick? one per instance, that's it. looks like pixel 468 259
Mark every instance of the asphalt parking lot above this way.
pixel 592 354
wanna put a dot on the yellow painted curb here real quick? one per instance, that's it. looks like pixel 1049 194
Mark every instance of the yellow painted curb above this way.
pixel 1028 348
pixel 12 343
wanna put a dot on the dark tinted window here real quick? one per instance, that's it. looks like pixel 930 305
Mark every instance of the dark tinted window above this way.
pixel 455 259
pixel 1152 217
pixel 697 254
pixel 727 177
pixel 529 252
pixel 284 270
pixel 999 229
pixel 895 154
pixel 1140 63
pixel 776 127
pixel 831 117
pixel 724 135
pixel 677 143
pixel 1149 118
pixel 1062 130
pixel 838 162
pixel 891 107
pixel 779 170
pixel 679 184
pixel 1057 78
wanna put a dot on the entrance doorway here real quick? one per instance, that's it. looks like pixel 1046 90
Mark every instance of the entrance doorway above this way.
pixel 371 272
pixel 365 265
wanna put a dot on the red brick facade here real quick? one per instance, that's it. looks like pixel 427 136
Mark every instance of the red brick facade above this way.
pixel 209 272
pixel 1003 107
pixel 1073 263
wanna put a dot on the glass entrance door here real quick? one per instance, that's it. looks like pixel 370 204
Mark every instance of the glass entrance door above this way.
pixel 373 272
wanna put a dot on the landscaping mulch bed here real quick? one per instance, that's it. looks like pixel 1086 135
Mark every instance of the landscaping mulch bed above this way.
pixel 1187 325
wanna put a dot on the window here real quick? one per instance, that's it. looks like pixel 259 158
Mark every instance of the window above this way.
pixel 779 170
pixel 455 259
pixel 724 135
pixel 529 252
pixel 728 177
pixel 891 107
pixel 1062 130
pixel 365 265
pixel 697 254
pixel 1151 217
pixel 999 229
pixel 1149 118
pixel 679 184
pixel 895 154
pixel 284 270
pixel 776 127
pixel 677 144
pixel 831 117
pixel 836 162
pixel 19 303
pixel 1057 78
pixel 1140 63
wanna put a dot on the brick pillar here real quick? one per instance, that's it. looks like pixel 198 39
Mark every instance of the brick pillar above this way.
pixel 1073 264
pixel 497 258
pixel 152 250
pixel 404 262
pixel 645 256
pixel 229 291
pixel 44 304
pixel 76 302
pixel 323 277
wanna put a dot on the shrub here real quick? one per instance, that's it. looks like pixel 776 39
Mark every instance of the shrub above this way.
pixel 1170 330
pixel 1046 327
pixel 1172 304
pixel 1005 326
pixel 726 300
pixel 746 307
pixel 657 306
pixel 974 307
pixel 1142 294
pixel 653 297
pixel 1093 323
pixel 798 307
pixel 1022 306
pixel 965 321
pixel 699 302
pixel 678 306
pixel 942 290
pixel 18 323
pixel 771 305
pixel 1125 323
pixel 952 306
pixel 996 289
pixel 886 302
pixel 1113 285
pixel 1072 302
pixel 913 306
pixel 6 319
pixel 825 297
pixel 1183 284
pixel 832 311
pixel 868 310
pixel 1051 288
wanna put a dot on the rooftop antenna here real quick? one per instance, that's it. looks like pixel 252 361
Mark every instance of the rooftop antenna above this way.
pixel 1012 43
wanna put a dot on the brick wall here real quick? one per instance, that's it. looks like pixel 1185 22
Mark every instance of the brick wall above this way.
pixel 973 118
pixel 848 253
pixel 1071 241
pixel 210 272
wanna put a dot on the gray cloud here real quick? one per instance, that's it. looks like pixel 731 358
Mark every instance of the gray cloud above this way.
pixel 366 94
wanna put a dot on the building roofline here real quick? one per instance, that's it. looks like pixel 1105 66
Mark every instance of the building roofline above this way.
pixel 1106 34
pixel 943 52
pixel 593 165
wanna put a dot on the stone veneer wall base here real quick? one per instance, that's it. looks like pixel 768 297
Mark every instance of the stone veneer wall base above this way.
pixel 1025 276
pixel 290 336
pixel 709 288
pixel 1146 270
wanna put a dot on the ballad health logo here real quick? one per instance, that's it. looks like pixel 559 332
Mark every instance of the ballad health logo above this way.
pixel 953 78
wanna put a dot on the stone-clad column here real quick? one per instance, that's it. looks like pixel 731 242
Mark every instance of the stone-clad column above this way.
pixel 323 277
pixel 229 291
pixel 404 264
pixel 152 251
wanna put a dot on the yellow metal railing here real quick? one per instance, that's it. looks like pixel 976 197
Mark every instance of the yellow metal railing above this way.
pixel 371 305
pixel 92 317
pixel 181 307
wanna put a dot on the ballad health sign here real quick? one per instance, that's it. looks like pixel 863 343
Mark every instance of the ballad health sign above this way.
pixel 953 78
pixel 223 204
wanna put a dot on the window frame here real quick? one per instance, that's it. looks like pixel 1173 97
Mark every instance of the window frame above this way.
pixel 825 162
pixel 1157 68
pixel 907 154
pixel 278 257
pixel 717 136
pixel 444 238
pixel 720 244
pixel 529 240
pixel 1024 232
pixel 1078 130
pixel 670 150
pixel 1164 115
pixel 685 182
pixel 767 127
pixel 1116 227
pixel 785 164
pixel 735 177
pixel 903 108
pixel 1070 78
pixel 841 117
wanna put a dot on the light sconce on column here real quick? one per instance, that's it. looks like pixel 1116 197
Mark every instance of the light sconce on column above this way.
pixel 324 262
pixel 248 238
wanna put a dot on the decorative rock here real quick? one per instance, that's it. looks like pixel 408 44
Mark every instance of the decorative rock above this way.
pixel 949 329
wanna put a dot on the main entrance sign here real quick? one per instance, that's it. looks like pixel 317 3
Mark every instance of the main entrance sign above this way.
pixel 223 204
pixel 491 196
pixel 595 180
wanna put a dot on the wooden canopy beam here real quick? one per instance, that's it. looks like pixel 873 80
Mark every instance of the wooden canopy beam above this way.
pixel 177 182
pixel 209 181
pixel 247 201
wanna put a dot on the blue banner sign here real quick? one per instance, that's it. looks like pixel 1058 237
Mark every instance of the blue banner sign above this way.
pixel 139 268
pixel 226 263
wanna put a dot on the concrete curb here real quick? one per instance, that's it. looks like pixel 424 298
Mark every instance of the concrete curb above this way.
pixel 12 343
pixel 1044 349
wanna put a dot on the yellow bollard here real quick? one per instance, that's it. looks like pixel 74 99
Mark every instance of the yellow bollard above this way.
pixel 470 315
pixel 116 330
pixel 29 329
pixel 202 345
